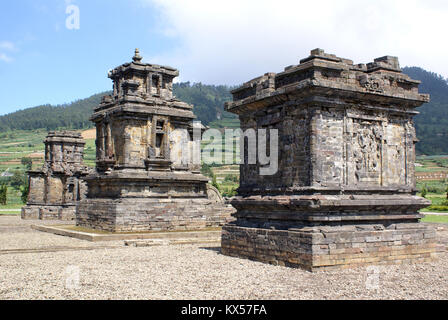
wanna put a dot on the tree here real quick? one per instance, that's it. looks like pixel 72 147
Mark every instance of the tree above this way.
pixel 18 180
pixel 27 162
pixel 3 194
pixel 206 170
pixel 25 189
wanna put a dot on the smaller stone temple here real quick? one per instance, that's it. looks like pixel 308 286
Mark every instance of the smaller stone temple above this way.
pixel 146 178
pixel 344 193
pixel 55 189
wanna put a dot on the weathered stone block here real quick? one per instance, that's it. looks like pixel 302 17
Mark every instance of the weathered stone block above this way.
pixel 273 247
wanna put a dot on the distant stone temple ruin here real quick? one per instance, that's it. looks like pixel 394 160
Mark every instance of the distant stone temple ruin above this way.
pixel 344 193
pixel 57 187
pixel 145 176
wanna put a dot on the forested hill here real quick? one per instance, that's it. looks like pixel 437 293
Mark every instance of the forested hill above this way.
pixel 208 101
pixel 74 115
pixel 432 122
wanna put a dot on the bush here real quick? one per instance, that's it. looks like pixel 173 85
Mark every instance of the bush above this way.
pixel 24 193
pixel 435 189
pixel 215 183
pixel 438 208
pixel 436 186
pixel 424 191
pixel 229 192
pixel 231 178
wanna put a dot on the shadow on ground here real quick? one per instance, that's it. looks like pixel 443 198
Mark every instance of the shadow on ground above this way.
pixel 216 249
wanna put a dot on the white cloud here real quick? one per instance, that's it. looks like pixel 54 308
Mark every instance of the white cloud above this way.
pixel 233 41
pixel 7 45
pixel 5 58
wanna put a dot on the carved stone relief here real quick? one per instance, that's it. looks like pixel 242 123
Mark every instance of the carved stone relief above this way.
pixel 366 148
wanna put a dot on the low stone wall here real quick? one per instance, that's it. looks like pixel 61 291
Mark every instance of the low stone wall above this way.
pixel 48 212
pixel 420 176
pixel 331 247
pixel 134 215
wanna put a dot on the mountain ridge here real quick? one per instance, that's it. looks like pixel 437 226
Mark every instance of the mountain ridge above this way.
pixel 208 101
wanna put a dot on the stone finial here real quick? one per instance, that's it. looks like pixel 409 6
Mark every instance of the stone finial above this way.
pixel 317 52
pixel 137 57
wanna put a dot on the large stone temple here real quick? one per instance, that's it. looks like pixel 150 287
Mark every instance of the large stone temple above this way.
pixel 344 193
pixel 146 177
pixel 55 189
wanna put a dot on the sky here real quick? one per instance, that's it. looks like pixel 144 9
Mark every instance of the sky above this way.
pixel 58 51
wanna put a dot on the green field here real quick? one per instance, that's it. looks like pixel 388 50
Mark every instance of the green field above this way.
pixel 18 144
pixel 432 163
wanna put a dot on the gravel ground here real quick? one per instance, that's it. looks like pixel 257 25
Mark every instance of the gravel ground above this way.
pixel 188 272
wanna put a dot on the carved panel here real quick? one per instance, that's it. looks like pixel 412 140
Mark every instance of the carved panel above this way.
pixel 366 151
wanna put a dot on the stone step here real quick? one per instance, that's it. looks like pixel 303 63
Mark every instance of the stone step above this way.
pixel 166 242
pixel 68 231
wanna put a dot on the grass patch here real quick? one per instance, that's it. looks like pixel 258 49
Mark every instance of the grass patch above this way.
pixel 437 208
pixel 435 219
pixel 12 206
pixel 9 213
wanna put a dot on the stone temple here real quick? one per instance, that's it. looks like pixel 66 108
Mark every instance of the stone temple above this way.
pixel 58 186
pixel 344 193
pixel 146 177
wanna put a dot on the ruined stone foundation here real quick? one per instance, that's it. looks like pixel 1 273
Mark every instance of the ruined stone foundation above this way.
pixel 55 189
pixel 344 194
pixel 308 232
pixel 152 202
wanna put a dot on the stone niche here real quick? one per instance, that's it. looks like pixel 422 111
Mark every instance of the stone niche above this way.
pixel 55 189
pixel 344 193
pixel 145 176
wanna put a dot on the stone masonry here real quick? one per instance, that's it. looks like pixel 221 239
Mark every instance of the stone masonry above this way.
pixel 344 193
pixel 145 176
pixel 57 187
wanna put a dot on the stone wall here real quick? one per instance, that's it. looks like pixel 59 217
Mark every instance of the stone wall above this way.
pixel 134 215
pixel 315 249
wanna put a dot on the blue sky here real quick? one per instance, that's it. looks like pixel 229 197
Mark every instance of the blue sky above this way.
pixel 209 41
pixel 48 63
